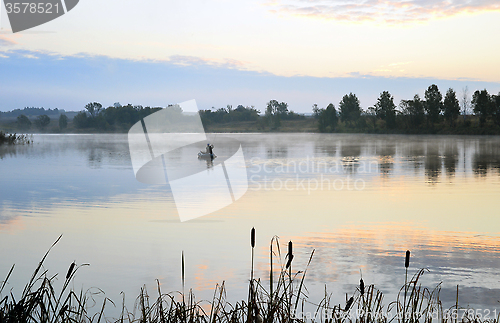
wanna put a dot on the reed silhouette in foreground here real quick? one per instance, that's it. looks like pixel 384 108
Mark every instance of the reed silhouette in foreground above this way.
pixel 284 301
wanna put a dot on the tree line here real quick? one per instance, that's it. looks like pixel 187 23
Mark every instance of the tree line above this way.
pixel 118 117
pixel 431 114
pixel 418 115
pixel 31 112
pixel 115 117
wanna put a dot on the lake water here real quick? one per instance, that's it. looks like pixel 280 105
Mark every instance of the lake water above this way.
pixel 359 200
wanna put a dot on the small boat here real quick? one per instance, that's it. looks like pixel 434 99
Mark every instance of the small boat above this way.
pixel 206 155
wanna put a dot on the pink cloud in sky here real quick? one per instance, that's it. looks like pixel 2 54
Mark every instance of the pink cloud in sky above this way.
pixel 386 11
pixel 5 41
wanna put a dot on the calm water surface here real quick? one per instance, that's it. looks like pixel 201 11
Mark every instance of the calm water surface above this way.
pixel 359 200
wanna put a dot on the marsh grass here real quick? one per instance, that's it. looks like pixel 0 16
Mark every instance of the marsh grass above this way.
pixel 282 301
pixel 12 139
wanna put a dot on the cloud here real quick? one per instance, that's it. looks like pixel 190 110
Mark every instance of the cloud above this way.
pixel 384 11
pixel 70 82
pixel 4 41
pixel 31 56
pixel 194 61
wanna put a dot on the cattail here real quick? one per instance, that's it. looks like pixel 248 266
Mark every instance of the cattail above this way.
pixel 348 304
pixel 407 259
pixel 362 286
pixel 289 262
pixel 252 237
pixel 289 255
pixel 70 270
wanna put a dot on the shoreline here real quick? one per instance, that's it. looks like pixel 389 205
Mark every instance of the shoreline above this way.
pixel 308 125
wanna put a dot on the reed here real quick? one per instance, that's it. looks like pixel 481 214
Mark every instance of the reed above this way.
pixel 283 302
pixel 12 139
pixel 251 294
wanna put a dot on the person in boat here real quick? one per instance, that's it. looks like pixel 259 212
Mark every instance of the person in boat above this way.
pixel 210 149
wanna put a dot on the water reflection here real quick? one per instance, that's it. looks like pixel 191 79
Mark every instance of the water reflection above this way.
pixel 379 248
pixel 450 158
pixel 432 163
pixel 68 164
pixel 486 157
pixel 210 162
pixel 85 185
pixel 350 151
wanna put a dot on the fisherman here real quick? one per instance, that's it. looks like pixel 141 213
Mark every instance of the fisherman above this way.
pixel 210 150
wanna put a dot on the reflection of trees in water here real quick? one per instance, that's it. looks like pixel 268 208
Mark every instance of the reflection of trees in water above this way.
pixel 412 155
pixel 277 152
pixel 432 163
pixel 350 150
pixel 350 156
pixel 14 150
pixel 486 158
pixel 330 150
pixel 450 157
pixel 98 148
pixel 386 152
pixel 416 153
pixel 95 158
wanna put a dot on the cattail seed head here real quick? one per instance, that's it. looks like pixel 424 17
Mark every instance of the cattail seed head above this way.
pixel 182 268
pixel 407 259
pixel 290 248
pixel 362 286
pixel 252 238
pixel 70 270
pixel 348 304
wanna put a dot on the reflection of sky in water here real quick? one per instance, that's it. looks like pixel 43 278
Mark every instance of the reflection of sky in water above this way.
pixel 437 196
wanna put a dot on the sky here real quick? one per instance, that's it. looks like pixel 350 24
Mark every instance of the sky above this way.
pixel 221 52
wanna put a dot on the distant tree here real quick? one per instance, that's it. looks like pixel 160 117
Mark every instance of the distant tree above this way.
pixel 63 122
pixel 481 101
pixel 350 110
pixel 275 111
pixel 496 108
pixel 316 110
pixel 414 111
pixel 283 108
pixel 433 103
pixel 385 109
pixel 241 113
pixel 93 108
pixel 465 102
pixel 327 119
pixel 81 120
pixel 451 106
pixel 23 122
pixel 42 121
